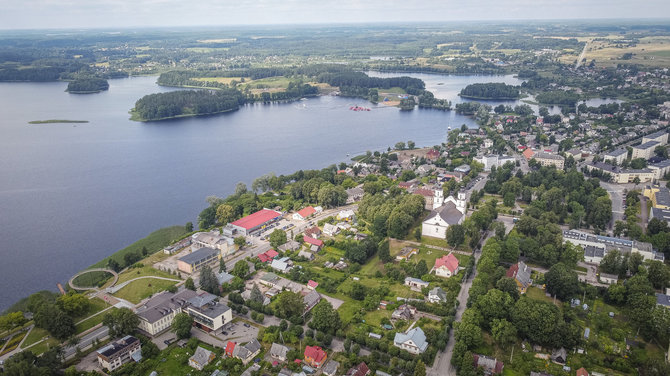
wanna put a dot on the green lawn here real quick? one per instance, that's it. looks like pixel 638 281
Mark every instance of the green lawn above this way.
pixel 91 322
pixel 35 335
pixel 154 242
pixel 97 305
pixel 135 291
pixel 143 272
pixel 434 241
pixel 44 346
pixel 92 279
pixel 538 294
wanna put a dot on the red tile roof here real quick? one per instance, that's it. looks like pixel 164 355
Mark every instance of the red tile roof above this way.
pixel 424 192
pixel 312 241
pixel 528 154
pixel 306 212
pixel 272 253
pixel 315 353
pixel 582 372
pixel 257 218
pixel 511 272
pixel 312 284
pixel 360 370
pixel 449 261
pixel 268 255
pixel 313 230
pixel 230 347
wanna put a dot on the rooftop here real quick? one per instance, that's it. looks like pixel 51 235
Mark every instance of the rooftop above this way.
pixel 116 347
pixel 198 255
pixel 647 145
pixel 163 304
pixel 256 219
pixel 416 335
pixel 543 155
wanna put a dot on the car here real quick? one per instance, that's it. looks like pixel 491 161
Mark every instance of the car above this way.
pixel 225 333
pixel 247 325
pixel 168 341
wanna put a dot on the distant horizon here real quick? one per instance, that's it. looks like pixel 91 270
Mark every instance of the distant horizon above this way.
pixel 105 14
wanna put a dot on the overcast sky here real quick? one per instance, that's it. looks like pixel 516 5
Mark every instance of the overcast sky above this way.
pixel 29 14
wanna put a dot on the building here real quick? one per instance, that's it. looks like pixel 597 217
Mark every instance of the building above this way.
pixel 493 160
pixel 415 283
pixel 311 299
pixel 283 264
pixel 437 295
pixel 245 352
pixel 607 243
pixel 359 370
pixel 201 358
pixel 617 156
pixel 268 255
pixel 120 352
pixel 290 245
pixel 413 341
pixel 659 196
pixel 663 299
pixel 622 176
pixel 645 150
pixel 223 277
pixel 609 279
pixel 406 253
pixel 311 241
pixel 451 213
pixel 548 159
pixel 559 356
pixel 404 312
pixel 446 266
pixel 304 213
pixel 582 372
pixel 157 313
pixel 278 352
pixel 662 214
pixel 307 255
pixel 330 229
pixel 346 215
pixel 313 232
pixel 213 240
pixel 528 154
pixel 463 169
pixel 207 313
pixel 330 369
pixel 195 260
pixel 661 137
pixel 312 285
pixel 660 169
pixel 253 222
pixel 315 356
pixel 491 366
pixel 521 274
pixel 355 194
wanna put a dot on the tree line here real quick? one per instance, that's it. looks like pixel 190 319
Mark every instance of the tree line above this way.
pixel 87 85
pixel 491 90
pixel 187 102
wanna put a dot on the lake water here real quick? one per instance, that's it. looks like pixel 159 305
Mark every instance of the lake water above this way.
pixel 71 194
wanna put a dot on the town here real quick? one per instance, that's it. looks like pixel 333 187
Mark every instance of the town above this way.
pixel 535 244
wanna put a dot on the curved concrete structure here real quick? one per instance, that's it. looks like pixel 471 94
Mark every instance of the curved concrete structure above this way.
pixel 74 287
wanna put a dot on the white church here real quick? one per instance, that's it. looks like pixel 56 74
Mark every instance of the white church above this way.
pixel 449 212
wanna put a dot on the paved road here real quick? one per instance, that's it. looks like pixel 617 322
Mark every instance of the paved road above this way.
pixel 86 340
pixel 582 55
pixel 644 213
pixel 616 193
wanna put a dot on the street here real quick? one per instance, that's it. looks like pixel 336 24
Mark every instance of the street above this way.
pixel 85 341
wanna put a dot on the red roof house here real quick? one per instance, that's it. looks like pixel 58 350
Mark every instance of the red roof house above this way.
pixel 432 154
pixel 312 241
pixel 315 356
pixel 256 220
pixel 230 347
pixel 360 370
pixel 582 372
pixel 312 284
pixel 304 213
pixel 528 154
pixel 268 255
pixel 313 232
pixel 446 266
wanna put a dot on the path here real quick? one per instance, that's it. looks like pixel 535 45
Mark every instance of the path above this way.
pixel 18 348
pixel 74 287
pixel 433 247
pixel 582 55
pixel 113 289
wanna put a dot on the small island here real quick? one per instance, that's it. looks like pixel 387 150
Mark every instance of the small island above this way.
pixel 57 121
pixel 491 90
pixel 185 103
pixel 89 85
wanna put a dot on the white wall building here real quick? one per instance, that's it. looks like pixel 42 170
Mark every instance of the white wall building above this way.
pixel 451 213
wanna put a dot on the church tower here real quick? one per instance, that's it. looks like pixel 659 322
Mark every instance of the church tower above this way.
pixel 461 203
pixel 438 198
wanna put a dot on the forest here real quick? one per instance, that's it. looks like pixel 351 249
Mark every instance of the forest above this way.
pixel 567 98
pixel 186 103
pixel 492 90
pixel 87 85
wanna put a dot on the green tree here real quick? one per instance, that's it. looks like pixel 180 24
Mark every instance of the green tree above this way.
pixel 504 333
pixel 208 281
pixel 189 227
pixel 289 304
pixel 181 325
pixel 189 284
pixel 277 238
pixel 222 265
pixel 74 304
pixel 420 269
pixel 240 241
pixel 241 269
pixel 122 321
pixel 509 199
pixel 225 213
pixel 325 318
pixel 256 294
pixel 420 368
pixel 561 281
pixel 455 235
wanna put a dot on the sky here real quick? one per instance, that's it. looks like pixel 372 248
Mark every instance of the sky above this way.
pixel 48 14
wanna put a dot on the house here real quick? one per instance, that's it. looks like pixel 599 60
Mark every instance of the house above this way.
pixel 451 213
pixel 315 356
pixel 223 277
pixel 548 159
pixel 157 313
pixel 201 358
pixel 253 222
pixel 406 253
pixel 609 279
pixel 208 314
pixel 346 215
pixel 491 366
pixel 330 369
pixel 437 295
pixel 413 341
pixel 313 232
pixel 304 213
pixel 195 260
pixel 432 155
pixel 214 240
pixel 308 255
pixel 464 169
pixel 311 299
pixel 311 241
pixel 582 372
pixel 415 283
pixel 290 245
pixel 330 229
pixel 120 352
pixel 252 370
pixel 559 356
pixel 268 255
pixel 663 299
pixel 404 312
pixel 446 266
pixel 269 279
pixel 283 264
pixel 617 156
pixel 359 370
pixel 230 349
pixel 312 285
pixel 645 150
pixel 528 154
pixel 521 274
pixel 246 352
pixel 278 352
pixel 355 194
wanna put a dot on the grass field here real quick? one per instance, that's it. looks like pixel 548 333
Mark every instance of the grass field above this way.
pixel 221 80
pixel 92 279
pixel 154 242
pixel 143 272
pixel 35 335
pixel 89 323
pixel 97 305
pixel 538 294
pixel 135 291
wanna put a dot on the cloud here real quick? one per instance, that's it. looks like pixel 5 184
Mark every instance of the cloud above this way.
pixel 122 13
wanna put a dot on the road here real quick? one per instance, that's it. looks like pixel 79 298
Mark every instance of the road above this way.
pixel 617 195
pixel 582 55
pixel 86 340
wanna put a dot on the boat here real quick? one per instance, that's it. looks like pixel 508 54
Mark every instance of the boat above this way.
pixel 359 108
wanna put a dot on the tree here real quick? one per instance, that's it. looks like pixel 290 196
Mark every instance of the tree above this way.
pixel 74 304
pixel 325 318
pixel 122 321
pixel 289 304
pixel 181 325
pixel 222 265
pixel 411 145
pixel 503 332
pixel 420 368
pixel 189 284
pixel 277 238
pixel 240 241
pixel 188 227
pixel 455 235
pixel 561 281
pixel 241 269
pixel 417 234
pixel 420 269
pixel 495 304
pixel 509 199
pixel 240 189
pixel 208 281
pixel 658 274
pixel 256 294
pixel 225 213
pixel 114 265
pixel 400 146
